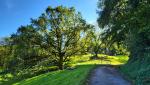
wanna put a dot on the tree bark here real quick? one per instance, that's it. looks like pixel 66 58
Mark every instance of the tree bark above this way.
pixel 61 66
pixel 96 56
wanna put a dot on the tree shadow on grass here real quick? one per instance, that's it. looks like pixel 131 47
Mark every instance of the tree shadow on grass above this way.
pixel 57 76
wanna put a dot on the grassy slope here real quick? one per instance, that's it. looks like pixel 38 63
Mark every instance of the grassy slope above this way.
pixel 66 77
pixel 71 77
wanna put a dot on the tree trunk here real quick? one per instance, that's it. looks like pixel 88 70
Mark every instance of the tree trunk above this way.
pixel 61 66
pixel 96 56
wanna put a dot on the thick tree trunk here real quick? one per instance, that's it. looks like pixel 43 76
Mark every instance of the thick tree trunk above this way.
pixel 96 56
pixel 61 66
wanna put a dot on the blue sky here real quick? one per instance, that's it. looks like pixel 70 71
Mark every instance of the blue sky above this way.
pixel 14 13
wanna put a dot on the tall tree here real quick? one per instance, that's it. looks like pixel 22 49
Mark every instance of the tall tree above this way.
pixel 96 44
pixel 27 48
pixel 58 31
pixel 65 31
pixel 5 53
pixel 126 22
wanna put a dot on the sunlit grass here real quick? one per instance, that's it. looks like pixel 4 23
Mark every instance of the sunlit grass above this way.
pixel 73 77
pixel 1 78
pixel 112 60
pixel 66 77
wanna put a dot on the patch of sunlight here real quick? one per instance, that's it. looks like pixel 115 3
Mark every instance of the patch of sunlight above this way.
pixel 112 60
pixel 16 84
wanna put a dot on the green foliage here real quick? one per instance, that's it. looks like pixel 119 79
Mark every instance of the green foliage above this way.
pixel 96 44
pixel 127 22
pixel 5 54
pixel 30 72
pixel 56 35
pixel 26 73
pixel 139 73
pixel 6 77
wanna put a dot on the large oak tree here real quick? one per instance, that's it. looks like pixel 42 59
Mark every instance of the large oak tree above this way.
pixel 58 31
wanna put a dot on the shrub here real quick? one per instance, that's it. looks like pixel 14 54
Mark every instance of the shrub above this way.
pixel 27 73
pixel 70 66
pixel 46 69
pixel 53 68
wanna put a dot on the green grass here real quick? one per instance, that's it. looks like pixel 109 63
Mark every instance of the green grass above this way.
pixel 114 60
pixel 66 77
pixel 70 77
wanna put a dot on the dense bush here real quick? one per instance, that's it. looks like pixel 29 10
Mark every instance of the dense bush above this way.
pixel 139 73
pixel 36 71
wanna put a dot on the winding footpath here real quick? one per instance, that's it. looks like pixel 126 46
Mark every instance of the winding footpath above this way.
pixel 106 76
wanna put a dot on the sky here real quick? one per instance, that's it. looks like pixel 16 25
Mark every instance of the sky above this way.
pixel 14 13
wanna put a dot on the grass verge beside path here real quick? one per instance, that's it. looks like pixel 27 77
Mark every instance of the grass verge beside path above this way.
pixel 66 77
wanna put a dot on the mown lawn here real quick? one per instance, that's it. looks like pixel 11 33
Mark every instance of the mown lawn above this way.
pixel 76 76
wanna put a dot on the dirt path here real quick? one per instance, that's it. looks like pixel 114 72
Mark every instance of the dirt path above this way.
pixel 106 76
